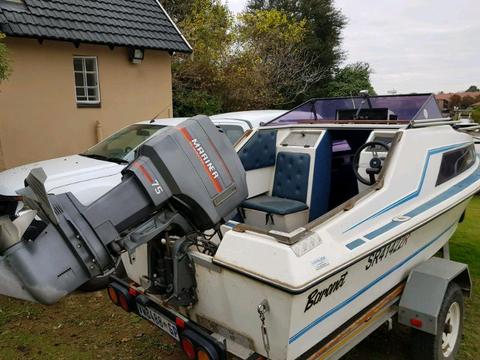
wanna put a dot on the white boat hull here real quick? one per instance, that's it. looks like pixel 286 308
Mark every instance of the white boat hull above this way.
pixel 338 264
pixel 297 322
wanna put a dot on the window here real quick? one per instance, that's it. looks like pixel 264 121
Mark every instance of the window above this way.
pixel 86 80
pixel 455 162
pixel 233 132
pixel 121 146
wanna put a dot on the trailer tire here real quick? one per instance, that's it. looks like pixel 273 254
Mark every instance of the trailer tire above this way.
pixel 446 343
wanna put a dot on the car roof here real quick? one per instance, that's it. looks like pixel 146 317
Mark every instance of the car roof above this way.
pixel 254 117
pixel 164 121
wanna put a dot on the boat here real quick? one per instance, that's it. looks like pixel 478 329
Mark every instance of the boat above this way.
pixel 471 128
pixel 316 216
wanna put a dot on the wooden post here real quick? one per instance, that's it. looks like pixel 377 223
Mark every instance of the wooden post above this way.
pixel 2 160
pixel 99 131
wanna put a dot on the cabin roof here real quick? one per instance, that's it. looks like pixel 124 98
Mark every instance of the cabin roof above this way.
pixel 140 23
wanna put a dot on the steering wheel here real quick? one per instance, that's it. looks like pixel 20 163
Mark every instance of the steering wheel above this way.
pixel 376 163
pixel 128 149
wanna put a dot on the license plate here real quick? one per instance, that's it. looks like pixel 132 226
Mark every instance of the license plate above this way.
pixel 159 320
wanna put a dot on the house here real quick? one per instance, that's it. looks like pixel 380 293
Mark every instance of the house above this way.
pixel 444 99
pixel 82 69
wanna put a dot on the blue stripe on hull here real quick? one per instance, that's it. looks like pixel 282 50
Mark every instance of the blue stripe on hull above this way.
pixel 355 243
pixel 453 190
pixel 414 194
pixel 450 192
pixel 366 288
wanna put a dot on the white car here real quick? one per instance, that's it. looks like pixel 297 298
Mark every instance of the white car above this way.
pixel 93 173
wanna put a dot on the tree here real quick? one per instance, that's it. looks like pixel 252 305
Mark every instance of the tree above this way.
pixel 473 88
pixel 270 66
pixel 476 115
pixel 350 80
pixel 277 54
pixel 178 9
pixel 324 24
pixel 5 68
pixel 476 110
pixel 455 101
pixel 198 78
pixel 467 101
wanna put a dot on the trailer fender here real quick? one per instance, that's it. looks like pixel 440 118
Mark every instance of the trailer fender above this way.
pixel 425 289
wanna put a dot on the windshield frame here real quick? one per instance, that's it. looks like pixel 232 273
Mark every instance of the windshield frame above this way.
pixel 407 107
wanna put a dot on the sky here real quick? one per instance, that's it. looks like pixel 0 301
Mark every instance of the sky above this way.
pixel 412 45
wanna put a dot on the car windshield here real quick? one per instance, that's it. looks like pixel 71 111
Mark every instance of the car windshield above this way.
pixel 120 146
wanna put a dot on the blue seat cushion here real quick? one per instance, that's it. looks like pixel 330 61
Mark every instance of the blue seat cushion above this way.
pixel 274 205
pixel 291 176
pixel 260 150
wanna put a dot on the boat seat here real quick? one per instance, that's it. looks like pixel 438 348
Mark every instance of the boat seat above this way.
pixel 290 186
pixel 286 209
pixel 274 205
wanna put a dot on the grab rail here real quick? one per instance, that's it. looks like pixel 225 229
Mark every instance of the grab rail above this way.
pixel 431 122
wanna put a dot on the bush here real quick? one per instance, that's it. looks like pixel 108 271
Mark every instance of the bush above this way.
pixel 476 115
pixel 5 68
pixel 193 102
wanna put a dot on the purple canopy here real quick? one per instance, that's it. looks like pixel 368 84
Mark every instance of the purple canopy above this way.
pixel 403 108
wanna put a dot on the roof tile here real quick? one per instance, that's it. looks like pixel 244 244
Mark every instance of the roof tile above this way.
pixel 140 23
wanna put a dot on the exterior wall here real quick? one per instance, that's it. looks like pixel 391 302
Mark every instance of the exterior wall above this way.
pixel 39 118
pixel 2 161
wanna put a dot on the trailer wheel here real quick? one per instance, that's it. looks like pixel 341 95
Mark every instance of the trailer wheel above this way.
pixel 445 344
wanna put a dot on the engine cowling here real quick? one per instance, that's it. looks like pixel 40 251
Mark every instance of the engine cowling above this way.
pixel 189 176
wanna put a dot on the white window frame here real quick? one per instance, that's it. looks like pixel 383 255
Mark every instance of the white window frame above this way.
pixel 85 87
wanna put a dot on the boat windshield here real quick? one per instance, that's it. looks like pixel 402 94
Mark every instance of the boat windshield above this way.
pixel 395 108
pixel 120 147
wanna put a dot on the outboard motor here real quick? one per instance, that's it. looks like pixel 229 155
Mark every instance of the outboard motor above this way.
pixel 188 178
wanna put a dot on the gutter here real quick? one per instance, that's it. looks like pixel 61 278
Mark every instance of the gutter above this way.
pixel 175 25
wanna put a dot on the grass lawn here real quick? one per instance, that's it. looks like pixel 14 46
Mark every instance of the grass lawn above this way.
pixel 87 326
pixel 464 247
